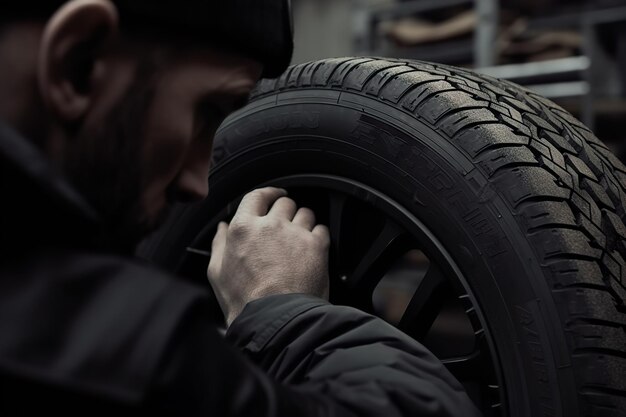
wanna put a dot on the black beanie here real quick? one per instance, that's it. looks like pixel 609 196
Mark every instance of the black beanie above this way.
pixel 259 29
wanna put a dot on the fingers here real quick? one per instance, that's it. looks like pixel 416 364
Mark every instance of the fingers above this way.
pixel 217 250
pixel 219 241
pixel 284 208
pixel 258 202
pixel 305 218
pixel 271 201
pixel 322 232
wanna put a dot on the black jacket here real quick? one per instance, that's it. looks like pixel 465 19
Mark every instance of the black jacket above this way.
pixel 84 330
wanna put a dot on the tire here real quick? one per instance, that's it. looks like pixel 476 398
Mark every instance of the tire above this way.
pixel 529 204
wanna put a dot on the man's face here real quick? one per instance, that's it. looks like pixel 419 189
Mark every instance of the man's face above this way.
pixel 193 94
pixel 153 147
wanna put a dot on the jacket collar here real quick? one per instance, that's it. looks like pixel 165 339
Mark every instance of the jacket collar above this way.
pixel 38 205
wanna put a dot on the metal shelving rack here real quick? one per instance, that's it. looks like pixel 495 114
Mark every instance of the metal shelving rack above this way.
pixel 369 18
pixel 586 78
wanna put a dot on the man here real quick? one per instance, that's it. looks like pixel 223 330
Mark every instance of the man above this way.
pixel 109 109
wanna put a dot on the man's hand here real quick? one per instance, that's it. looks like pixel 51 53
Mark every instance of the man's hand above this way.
pixel 270 247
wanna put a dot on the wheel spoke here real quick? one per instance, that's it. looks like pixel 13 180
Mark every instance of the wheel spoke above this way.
pixel 387 247
pixel 337 205
pixel 200 252
pixel 466 368
pixel 425 305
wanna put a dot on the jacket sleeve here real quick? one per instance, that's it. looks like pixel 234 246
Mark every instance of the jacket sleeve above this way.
pixel 311 359
pixel 203 375
pixel 354 360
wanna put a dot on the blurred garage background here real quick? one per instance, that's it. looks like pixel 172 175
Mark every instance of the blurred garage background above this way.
pixel 572 51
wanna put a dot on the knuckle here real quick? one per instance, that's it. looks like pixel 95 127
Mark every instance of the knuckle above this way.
pixel 249 196
pixel 324 235
pixel 323 244
pixel 286 201
pixel 308 212
pixel 264 192
pixel 255 195
pixel 270 223
pixel 311 240
pixel 238 229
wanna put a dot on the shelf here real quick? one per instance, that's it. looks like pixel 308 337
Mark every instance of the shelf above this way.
pixel 538 69
pixel 457 52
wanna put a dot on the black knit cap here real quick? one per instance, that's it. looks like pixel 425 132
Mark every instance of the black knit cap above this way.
pixel 259 29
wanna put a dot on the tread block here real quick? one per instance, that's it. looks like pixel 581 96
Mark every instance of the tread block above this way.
pixel 580 167
pixel 558 141
pixel 563 176
pixel 448 102
pixel 614 192
pixel 517 104
pixel 613 262
pixel 477 94
pixel 576 272
pixel 306 77
pixel 596 192
pixel 499 92
pixel 605 337
pixel 356 80
pixel 294 78
pixel 338 77
pixel 593 232
pixel 568 118
pixel 498 158
pixel 586 207
pixel 402 83
pixel 538 122
pixel 539 214
pixel 541 148
pixel 555 155
pixel 326 69
pixel 506 111
pixel 523 183
pixel 564 243
pixel 614 223
pixel 465 119
pixel 518 127
pixel 416 94
pixel 380 79
pixel 482 137
pixel 459 81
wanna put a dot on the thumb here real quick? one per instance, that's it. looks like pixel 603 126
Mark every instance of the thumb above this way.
pixel 217 251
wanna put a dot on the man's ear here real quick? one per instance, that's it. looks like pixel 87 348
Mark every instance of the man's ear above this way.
pixel 70 55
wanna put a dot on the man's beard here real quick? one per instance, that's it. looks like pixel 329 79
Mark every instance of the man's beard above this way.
pixel 105 167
